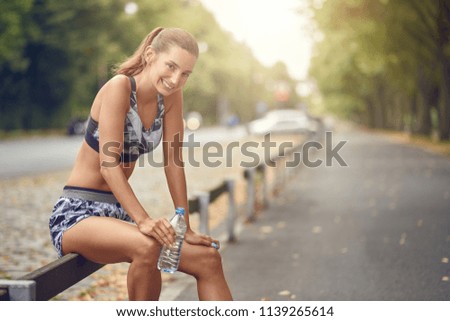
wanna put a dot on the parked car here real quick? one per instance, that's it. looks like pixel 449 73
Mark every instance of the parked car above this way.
pixel 281 121
pixel 76 126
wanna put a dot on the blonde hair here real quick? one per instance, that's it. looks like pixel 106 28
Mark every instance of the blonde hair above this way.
pixel 161 40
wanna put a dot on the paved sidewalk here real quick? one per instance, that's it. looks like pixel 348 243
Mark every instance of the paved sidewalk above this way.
pixel 378 229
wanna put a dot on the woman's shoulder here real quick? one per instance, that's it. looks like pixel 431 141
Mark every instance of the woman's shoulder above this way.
pixel 116 91
pixel 118 82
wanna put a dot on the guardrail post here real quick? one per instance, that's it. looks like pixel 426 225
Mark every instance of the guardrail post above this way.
pixel 231 210
pixel 250 175
pixel 276 179
pixel 265 187
pixel 283 171
pixel 203 204
pixel 20 290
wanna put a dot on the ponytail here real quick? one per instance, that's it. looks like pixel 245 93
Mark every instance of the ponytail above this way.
pixel 161 40
pixel 136 63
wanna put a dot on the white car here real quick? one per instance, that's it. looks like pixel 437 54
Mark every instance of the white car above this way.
pixel 281 121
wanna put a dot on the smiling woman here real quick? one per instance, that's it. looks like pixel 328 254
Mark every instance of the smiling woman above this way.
pixel 98 214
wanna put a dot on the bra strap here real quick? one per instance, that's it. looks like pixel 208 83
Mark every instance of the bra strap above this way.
pixel 160 106
pixel 133 83
pixel 133 99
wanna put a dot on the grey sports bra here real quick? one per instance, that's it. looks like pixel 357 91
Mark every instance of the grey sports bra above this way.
pixel 136 139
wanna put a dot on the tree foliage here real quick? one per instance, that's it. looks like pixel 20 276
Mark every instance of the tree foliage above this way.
pixel 54 55
pixel 385 63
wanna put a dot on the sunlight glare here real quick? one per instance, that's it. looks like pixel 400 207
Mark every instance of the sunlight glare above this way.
pixel 274 30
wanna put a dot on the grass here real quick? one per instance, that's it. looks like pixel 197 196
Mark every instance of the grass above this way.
pixel 431 144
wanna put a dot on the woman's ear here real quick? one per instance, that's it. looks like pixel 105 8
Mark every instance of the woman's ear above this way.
pixel 149 54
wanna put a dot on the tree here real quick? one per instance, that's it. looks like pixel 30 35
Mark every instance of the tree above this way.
pixel 54 56
pixel 385 63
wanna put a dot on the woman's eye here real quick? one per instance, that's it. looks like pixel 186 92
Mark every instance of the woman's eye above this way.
pixel 170 66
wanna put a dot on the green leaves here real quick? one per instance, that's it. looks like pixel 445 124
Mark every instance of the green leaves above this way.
pixel 387 54
pixel 13 33
pixel 54 56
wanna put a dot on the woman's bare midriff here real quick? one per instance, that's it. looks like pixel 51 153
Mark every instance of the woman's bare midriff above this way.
pixel 86 171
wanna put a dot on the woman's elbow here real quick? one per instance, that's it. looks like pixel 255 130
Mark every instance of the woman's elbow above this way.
pixel 107 168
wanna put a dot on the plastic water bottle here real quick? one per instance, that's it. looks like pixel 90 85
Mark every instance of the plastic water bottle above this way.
pixel 169 258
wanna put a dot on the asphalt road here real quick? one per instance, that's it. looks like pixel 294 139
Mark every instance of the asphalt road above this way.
pixel 37 155
pixel 377 229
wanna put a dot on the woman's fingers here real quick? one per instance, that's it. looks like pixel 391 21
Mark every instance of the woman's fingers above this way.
pixel 167 231
pixel 215 244
pixel 207 240
pixel 212 242
pixel 163 232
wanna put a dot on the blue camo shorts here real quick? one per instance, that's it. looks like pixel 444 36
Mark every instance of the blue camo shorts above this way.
pixel 76 204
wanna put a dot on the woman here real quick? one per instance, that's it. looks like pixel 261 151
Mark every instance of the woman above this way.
pixel 129 115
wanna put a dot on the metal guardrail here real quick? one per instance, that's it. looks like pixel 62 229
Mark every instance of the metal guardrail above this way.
pixel 57 276
pixel 49 280
pixel 258 176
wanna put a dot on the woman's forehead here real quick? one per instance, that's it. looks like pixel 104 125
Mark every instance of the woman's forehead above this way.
pixel 180 56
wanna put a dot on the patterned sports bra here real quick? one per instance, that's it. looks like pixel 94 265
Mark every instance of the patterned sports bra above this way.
pixel 136 139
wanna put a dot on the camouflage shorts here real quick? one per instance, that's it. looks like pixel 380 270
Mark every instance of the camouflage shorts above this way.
pixel 76 204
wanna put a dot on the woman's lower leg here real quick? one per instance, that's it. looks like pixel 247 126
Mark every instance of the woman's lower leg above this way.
pixel 143 281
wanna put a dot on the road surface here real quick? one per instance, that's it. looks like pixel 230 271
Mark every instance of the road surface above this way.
pixel 377 229
pixel 37 155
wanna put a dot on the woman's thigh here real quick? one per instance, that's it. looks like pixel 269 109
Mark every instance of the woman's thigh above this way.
pixel 105 240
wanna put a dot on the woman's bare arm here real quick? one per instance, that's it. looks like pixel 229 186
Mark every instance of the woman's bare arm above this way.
pixel 114 107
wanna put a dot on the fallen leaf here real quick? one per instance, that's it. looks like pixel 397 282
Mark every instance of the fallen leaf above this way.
pixel 266 229
pixel 284 293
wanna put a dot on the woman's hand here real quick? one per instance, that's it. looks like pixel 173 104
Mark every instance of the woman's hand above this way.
pixel 200 239
pixel 160 229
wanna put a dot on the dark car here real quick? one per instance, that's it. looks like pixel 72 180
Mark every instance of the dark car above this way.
pixel 77 126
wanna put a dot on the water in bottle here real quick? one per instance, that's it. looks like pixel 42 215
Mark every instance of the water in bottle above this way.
pixel 169 258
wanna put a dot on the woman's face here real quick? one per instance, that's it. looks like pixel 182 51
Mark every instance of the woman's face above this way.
pixel 170 70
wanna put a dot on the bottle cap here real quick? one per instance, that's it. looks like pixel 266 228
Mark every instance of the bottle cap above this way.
pixel 179 211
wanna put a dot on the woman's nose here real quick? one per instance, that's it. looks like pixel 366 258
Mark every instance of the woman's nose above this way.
pixel 175 79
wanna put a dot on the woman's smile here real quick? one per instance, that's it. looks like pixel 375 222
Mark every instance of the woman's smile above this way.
pixel 167 84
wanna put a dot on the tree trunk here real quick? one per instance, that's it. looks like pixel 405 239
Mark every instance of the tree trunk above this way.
pixel 424 103
pixel 379 105
pixel 370 113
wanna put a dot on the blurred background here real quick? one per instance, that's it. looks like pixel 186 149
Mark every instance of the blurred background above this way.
pixel 380 63
pixel 264 66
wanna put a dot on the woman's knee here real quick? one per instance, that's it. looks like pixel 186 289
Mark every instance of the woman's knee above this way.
pixel 209 262
pixel 146 251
